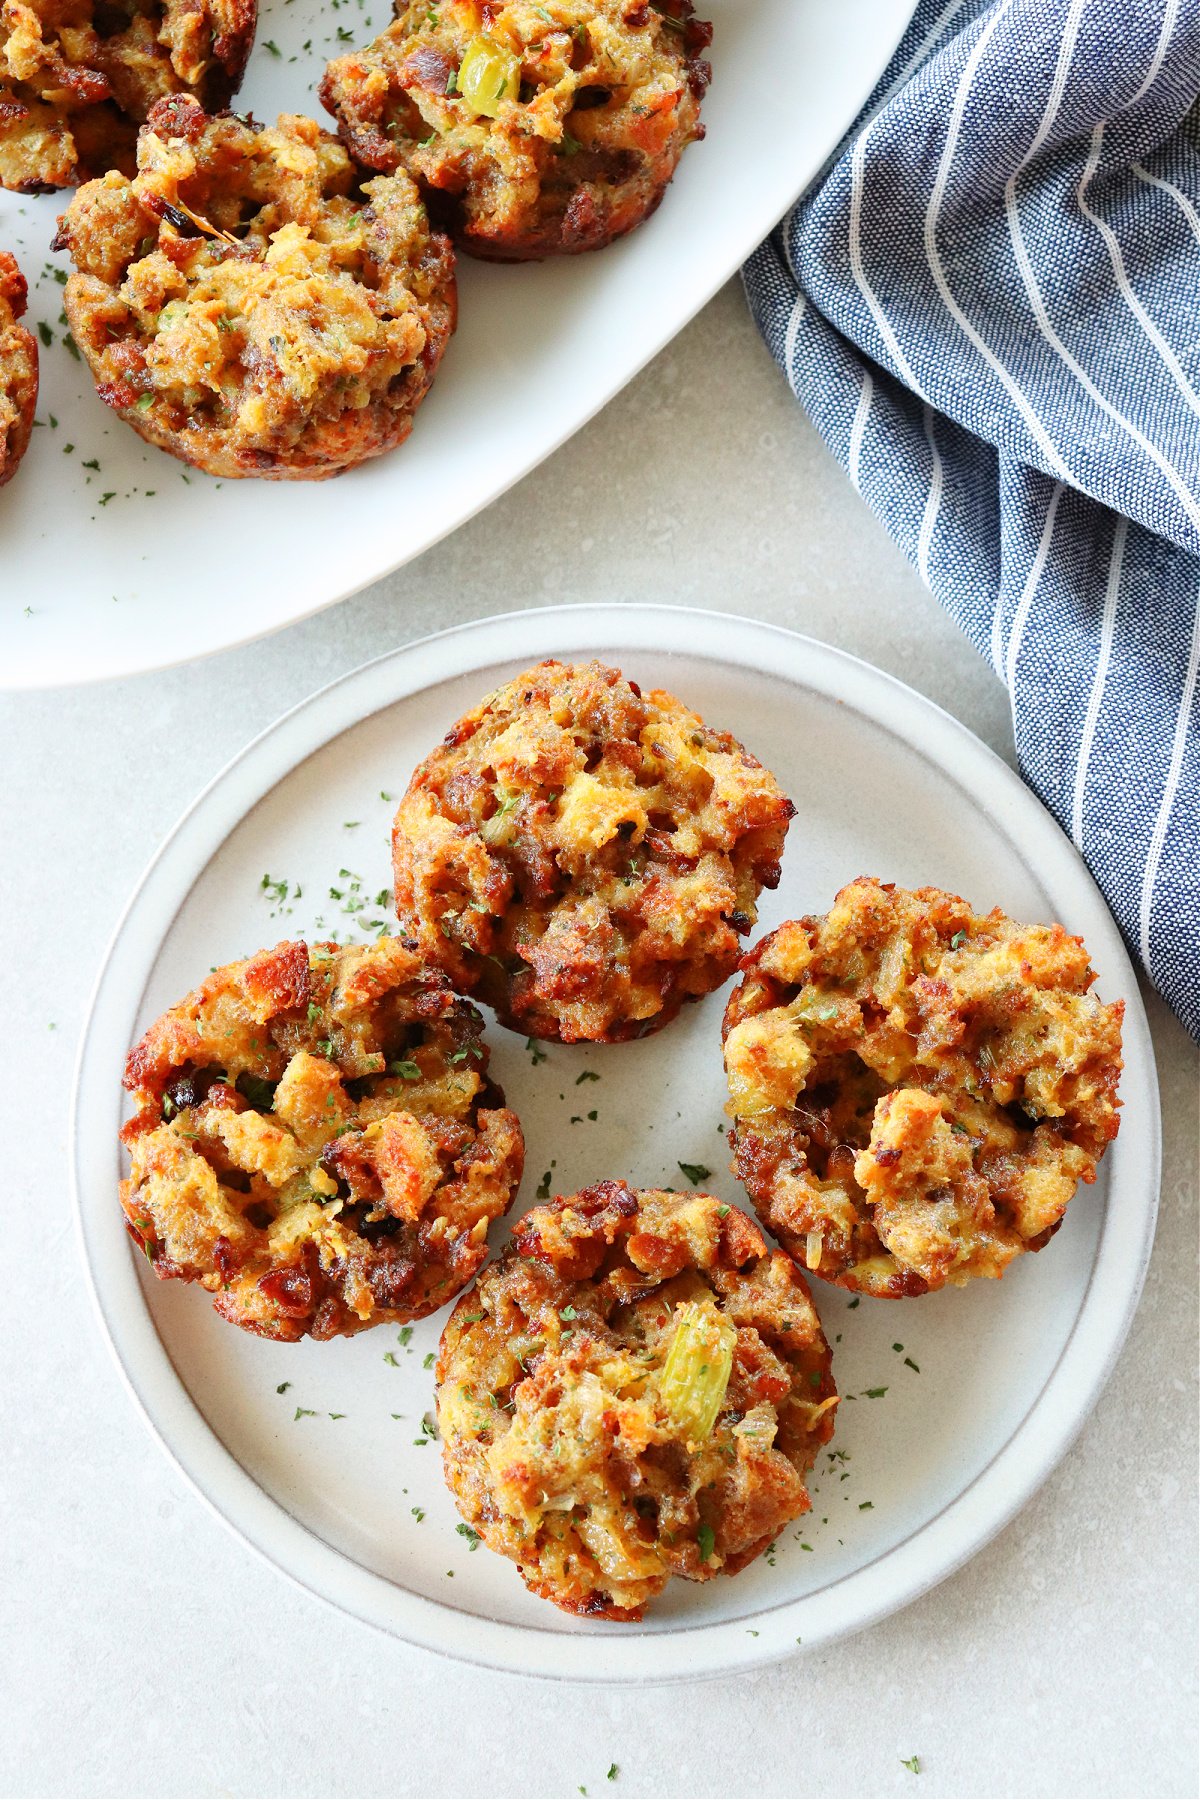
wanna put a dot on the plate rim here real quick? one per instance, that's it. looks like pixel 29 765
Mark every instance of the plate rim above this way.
pixel 46 677
pixel 940 1546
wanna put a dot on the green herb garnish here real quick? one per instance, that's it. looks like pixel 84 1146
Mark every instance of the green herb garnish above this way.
pixel 257 1090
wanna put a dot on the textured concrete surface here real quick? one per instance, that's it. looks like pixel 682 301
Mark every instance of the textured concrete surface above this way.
pixel 145 1652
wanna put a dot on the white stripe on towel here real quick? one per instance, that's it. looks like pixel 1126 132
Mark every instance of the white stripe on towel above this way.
pixel 1032 581
pixel 919 55
pixel 857 176
pixel 1160 51
pixel 1159 834
pixel 1185 206
pixel 1169 473
pixel 861 413
pixel 1058 88
pixel 799 308
pixel 1123 282
pixel 932 504
pixel 1107 624
pixel 953 128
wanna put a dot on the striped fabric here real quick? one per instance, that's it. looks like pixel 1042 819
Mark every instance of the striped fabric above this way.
pixel 990 308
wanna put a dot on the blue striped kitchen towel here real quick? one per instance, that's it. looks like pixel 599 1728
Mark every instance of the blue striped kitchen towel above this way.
pixel 990 308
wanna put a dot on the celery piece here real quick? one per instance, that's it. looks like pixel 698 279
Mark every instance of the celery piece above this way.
pixel 696 1372
pixel 489 75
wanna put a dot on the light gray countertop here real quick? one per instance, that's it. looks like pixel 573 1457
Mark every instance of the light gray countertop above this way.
pixel 146 1652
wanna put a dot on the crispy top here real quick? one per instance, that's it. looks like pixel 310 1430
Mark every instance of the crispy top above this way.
pixel 76 79
pixel 583 856
pixel 917 1088
pixel 316 1140
pixel 241 303
pixel 634 1391
pixel 549 127
pixel 18 369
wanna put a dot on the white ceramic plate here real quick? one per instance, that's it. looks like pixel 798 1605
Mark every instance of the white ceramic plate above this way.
pixel 117 558
pixel 920 1476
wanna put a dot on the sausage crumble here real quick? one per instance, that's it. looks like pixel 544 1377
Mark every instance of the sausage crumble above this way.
pixel 634 1391
pixel 582 856
pixel 534 130
pixel 316 1141
pixel 916 1088
pixel 77 78
pixel 18 370
pixel 244 305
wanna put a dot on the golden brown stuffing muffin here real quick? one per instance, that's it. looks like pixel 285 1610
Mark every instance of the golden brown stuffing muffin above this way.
pixel 634 1391
pixel 18 370
pixel 917 1088
pixel 77 78
pixel 245 306
pixel 534 129
pixel 582 856
pixel 316 1140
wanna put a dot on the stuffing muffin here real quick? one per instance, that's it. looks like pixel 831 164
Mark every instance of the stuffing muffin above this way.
pixel 316 1140
pixel 634 1391
pixel 78 77
pixel 534 130
pixel 242 304
pixel 582 856
pixel 18 370
pixel 917 1088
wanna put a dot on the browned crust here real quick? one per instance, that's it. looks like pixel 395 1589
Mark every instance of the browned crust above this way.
pixel 232 43
pixel 81 117
pixel 18 370
pixel 584 857
pixel 558 1445
pixel 356 338
pixel 917 1088
pixel 508 190
pixel 316 1141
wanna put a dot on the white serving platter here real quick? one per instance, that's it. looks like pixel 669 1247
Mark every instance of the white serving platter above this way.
pixel 115 558
pixel 985 1387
